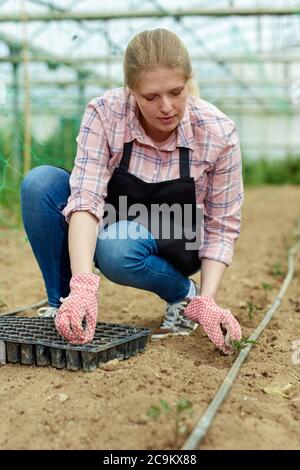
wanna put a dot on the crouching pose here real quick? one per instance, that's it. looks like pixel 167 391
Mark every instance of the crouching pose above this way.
pixel 151 157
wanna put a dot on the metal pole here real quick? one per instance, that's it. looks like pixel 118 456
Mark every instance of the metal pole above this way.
pixel 201 12
pixel 81 91
pixel 17 128
pixel 27 102
pixel 226 58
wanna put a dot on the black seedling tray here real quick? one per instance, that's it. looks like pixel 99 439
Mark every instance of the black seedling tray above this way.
pixel 33 340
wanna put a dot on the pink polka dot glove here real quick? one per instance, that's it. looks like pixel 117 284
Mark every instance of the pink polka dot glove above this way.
pixel 81 304
pixel 220 325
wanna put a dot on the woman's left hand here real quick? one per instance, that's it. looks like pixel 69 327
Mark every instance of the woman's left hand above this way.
pixel 214 320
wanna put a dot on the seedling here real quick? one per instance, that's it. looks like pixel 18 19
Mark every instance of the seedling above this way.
pixel 251 309
pixel 155 410
pixel 239 345
pixel 277 270
pixel 177 413
pixel 266 286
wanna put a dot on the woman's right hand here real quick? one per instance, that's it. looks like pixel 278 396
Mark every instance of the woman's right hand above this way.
pixel 219 324
pixel 81 304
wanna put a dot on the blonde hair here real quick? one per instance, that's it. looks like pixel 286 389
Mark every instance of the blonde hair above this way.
pixel 152 48
pixel 193 88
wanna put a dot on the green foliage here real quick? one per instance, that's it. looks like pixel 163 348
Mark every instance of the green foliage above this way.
pixel 177 414
pixel 277 270
pixel 60 148
pixel 154 411
pixel 165 406
pixel 183 405
pixel 57 150
pixel 266 171
pixel 251 309
pixel 266 286
pixel 239 345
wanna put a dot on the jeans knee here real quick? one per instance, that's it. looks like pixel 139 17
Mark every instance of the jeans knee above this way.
pixel 35 179
pixel 122 250
pixel 40 178
pixel 111 256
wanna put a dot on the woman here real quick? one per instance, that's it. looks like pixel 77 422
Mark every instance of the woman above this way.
pixel 150 143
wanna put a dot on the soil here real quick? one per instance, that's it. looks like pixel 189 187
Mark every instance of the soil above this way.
pixel 45 408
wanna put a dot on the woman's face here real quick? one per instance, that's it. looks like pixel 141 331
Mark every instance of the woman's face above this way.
pixel 161 95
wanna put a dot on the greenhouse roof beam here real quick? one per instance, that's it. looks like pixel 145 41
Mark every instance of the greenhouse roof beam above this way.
pixel 234 58
pixel 96 16
pixel 205 83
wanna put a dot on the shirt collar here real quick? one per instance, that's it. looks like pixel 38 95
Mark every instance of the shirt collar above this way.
pixel 185 135
pixel 184 138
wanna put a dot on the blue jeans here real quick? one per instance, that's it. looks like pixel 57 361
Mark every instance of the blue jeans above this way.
pixel 123 260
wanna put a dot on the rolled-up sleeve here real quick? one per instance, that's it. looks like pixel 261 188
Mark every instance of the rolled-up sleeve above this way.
pixel 222 204
pixel 90 174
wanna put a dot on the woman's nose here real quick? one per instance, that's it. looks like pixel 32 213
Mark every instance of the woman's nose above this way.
pixel 166 105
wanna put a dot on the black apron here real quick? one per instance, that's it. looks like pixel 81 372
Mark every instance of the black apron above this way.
pixel 180 192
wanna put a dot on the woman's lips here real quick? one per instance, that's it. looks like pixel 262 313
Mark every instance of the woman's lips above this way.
pixel 167 120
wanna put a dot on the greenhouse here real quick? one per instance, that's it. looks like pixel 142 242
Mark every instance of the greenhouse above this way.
pixel 157 101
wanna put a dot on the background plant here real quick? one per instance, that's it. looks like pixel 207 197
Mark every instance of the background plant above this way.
pixel 178 414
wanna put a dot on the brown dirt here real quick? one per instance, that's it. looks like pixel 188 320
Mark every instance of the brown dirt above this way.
pixel 45 408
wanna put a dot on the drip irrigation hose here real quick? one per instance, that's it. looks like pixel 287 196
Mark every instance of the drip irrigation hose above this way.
pixel 207 418
pixel 22 309
pixel 28 307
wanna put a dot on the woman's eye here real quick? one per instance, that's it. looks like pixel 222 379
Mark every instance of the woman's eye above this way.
pixel 152 98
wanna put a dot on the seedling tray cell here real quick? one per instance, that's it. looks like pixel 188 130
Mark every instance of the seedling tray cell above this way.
pixel 35 341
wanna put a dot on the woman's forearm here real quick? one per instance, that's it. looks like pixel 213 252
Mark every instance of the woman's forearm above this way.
pixel 211 275
pixel 82 241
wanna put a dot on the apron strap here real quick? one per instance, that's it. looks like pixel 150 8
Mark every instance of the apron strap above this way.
pixel 127 149
pixel 184 162
pixel 183 159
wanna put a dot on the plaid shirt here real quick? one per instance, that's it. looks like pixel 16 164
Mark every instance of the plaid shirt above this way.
pixel 215 163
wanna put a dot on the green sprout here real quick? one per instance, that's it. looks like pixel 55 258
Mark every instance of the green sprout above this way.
pixel 251 309
pixel 277 270
pixel 239 345
pixel 155 410
pixel 266 286
pixel 177 413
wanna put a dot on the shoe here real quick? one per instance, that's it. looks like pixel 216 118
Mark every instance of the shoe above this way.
pixel 175 323
pixel 47 312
